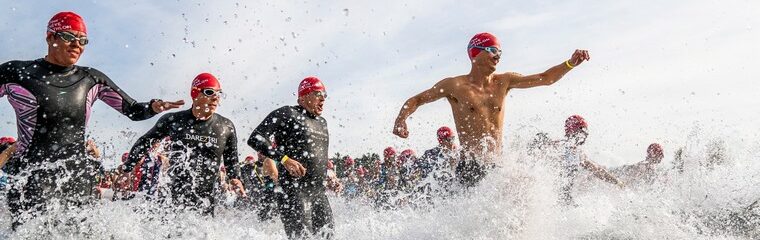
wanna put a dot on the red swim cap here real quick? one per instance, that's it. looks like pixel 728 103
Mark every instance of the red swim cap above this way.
pixel 407 153
pixel 574 123
pixel 124 157
pixel 655 150
pixel 7 140
pixel 361 171
pixel 203 81
pixel 481 40
pixel 389 152
pixel 445 133
pixel 349 161
pixel 309 85
pixel 63 21
pixel 250 158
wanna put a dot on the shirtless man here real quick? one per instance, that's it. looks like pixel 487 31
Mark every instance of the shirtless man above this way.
pixel 477 101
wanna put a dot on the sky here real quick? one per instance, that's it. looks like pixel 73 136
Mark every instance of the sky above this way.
pixel 659 71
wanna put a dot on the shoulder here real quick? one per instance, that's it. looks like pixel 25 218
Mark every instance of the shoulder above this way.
pixel 507 76
pixel 451 81
pixel 171 116
pixel 95 73
pixel 15 65
pixel 283 111
pixel 224 120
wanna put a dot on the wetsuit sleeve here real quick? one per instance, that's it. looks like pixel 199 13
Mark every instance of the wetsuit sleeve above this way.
pixel 140 148
pixel 112 95
pixel 260 138
pixel 5 76
pixel 230 155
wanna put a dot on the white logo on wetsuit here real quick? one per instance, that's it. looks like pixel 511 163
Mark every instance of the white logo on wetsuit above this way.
pixel 203 139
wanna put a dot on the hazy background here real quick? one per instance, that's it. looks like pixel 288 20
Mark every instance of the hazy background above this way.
pixel 660 71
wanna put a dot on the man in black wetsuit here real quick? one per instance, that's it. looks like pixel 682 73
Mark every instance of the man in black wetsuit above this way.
pixel 442 157
pixel 302 142
pixel 52 99
pixel 260 186
pixel 201 142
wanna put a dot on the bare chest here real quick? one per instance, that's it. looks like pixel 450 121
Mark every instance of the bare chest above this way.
pixel 478 101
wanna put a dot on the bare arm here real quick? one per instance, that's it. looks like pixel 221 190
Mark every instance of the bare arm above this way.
pixel 92 149
pixel 6 154
pixel 411 105
pixel 601 173
pixel 551 75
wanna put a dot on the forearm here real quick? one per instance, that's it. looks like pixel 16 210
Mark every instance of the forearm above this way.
pixel 261 144
pixel 603 174
pixel 410 106
pixel 6 155
pixel 555 73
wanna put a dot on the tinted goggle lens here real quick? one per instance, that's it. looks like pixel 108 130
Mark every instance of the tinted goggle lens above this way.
pixel 209 92
pixel 321 94
pixel 69 37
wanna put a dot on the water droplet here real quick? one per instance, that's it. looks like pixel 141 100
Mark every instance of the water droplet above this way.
pixel 345 11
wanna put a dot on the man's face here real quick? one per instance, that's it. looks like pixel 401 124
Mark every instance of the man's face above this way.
pixel 448 143
pixel 64 52
pixel 314 102
pixel 579 137
pixel 654 159
pixel 488 60
pixel 208 99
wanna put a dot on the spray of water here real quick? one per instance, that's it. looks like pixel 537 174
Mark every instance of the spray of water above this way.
pixel 703 199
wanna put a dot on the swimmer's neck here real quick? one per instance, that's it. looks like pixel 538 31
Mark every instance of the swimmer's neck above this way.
pixel 480 76
pixel 200 113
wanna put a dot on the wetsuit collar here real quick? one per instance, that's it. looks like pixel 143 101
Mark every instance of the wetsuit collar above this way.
pixel 53 67
pixel 190 111
pixel 303 110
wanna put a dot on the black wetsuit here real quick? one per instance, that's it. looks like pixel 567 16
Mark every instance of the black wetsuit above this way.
pixel 302 136
pixel 261 189
pixel 198 149
pixel 471 171
pixel 52 105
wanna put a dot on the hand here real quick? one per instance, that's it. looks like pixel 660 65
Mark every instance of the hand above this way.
pixel 160 106
pixel 334 185
pixel 270 169
pixel 579 56
pixel 400 129
pixel 295 168
pixel 92 149
pixel 238 188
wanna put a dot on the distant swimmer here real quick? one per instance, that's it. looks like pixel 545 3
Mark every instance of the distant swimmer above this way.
pixel 477 102
pixel 645 171
pixel 442 158
pixel 574 159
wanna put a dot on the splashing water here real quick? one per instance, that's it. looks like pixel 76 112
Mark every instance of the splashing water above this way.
pixel 517 200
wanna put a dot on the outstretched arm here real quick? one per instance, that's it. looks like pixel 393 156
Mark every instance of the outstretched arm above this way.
pixel 411 105
pixel 107 91
pixel 601 173
pixel 549 76
pixel 140 148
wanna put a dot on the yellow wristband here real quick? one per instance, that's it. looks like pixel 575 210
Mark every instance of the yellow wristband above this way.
pixel 284 159
pixel 567 63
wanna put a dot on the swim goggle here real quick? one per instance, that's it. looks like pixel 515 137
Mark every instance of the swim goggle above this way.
pixel 210 92
pixel 70 37
pixel 492 50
